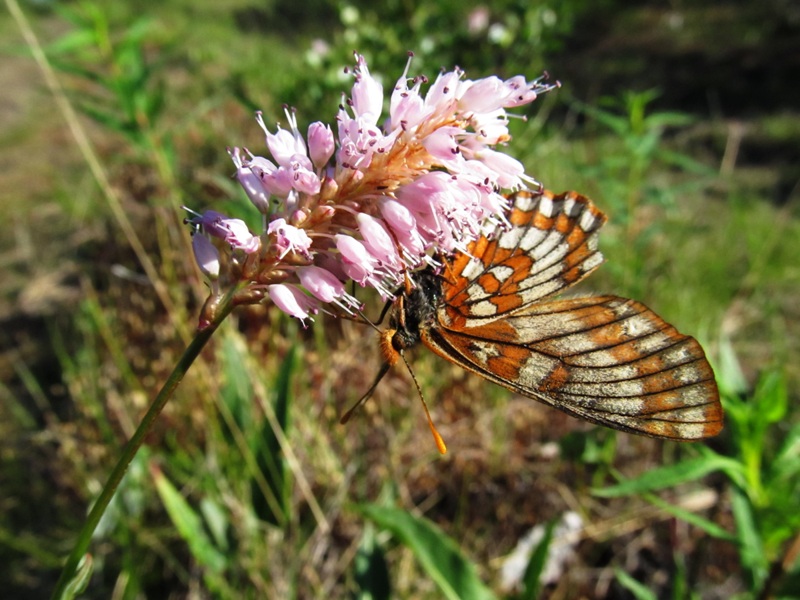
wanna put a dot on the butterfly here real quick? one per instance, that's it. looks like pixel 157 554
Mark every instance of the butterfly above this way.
pixel 605 359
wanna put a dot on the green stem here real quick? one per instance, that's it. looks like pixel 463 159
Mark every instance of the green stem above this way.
pixel 192 351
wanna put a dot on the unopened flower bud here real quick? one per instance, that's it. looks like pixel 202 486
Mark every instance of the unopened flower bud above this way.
pixel 320 144
pixel 206 255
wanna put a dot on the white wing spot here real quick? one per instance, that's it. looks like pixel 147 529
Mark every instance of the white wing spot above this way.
pixel 484 350
pixel 546 206
pixel 587 221
pixel 524 202
pixel 551 241
pixel 509 239
pixel 483 309
pixel 637 327
pixel 536 369
pixel 502 272
pixel 532 238
pixel 569 206
pixel 473 269
pixel 595 260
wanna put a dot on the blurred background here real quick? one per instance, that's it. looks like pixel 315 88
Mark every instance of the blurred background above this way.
pixel 680 119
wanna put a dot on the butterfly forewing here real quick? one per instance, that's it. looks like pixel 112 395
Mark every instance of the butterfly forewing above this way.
pixel 550 245
pixel 606 359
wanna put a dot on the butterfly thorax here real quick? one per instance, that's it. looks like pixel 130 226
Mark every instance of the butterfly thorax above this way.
pixel 414 311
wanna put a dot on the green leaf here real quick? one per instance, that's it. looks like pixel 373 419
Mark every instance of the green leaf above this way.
pixel 672 475
pixel 216 519
pixel 438 554
pixel 371 572
pixel 188 524
pixel 786 464
pixel 236 391
pixel 771 397
pixel 533 572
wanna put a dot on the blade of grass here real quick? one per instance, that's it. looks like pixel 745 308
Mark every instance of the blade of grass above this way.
pixel 370 569
pixel 638 589
pixel 692 518
pixel 188 524
pixel 437 553
pixel 672 475
pixel 269 456
pixel 130 450
pixel 533 572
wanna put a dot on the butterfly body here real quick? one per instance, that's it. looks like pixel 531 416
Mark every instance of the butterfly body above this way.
pixel 605 359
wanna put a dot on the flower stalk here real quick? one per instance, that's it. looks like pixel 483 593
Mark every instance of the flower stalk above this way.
pixel 218 315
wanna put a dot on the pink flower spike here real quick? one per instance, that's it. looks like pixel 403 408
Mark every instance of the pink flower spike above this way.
pixel 520 91
pixel 523 92
pixel 378 241
pixel 283 144
pixel 303 178
pixel 444 89
pixel 406 107
pixel 250 181
pixel 254 188
pixel 320 144
pixel 279 182
pixel 491 127
pixel 358 264
pixel 232 231
pixel 422 195
pixel 206 255
pixel 292 301
pixel 289 238
pixel 261 166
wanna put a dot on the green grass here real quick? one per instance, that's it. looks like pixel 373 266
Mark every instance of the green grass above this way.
pixel 248 486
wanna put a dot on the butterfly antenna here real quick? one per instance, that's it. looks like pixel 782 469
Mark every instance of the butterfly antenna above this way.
pixel 440 445
pixel 346 416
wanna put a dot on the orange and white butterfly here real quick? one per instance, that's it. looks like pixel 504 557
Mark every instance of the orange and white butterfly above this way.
pixel 606 359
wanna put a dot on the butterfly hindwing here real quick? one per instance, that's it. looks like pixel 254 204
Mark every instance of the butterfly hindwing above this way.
pixel 605 359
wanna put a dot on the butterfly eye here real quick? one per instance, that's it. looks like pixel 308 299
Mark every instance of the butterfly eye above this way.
pixel 397 342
